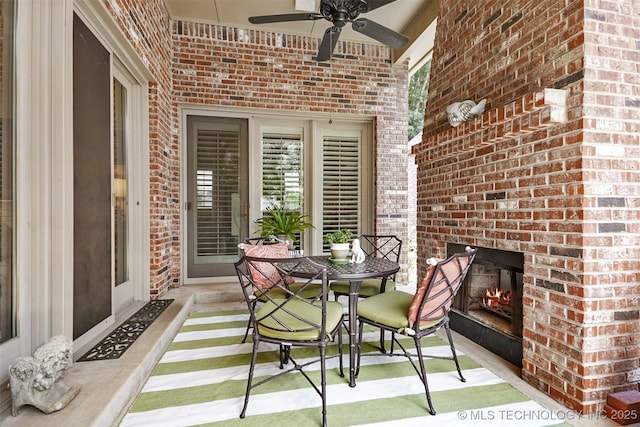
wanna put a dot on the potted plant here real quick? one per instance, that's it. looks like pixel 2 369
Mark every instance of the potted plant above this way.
pixel 339 244
pixel 283 223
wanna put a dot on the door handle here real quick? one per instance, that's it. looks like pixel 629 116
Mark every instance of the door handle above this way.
pixel 245 210
pixel 187 206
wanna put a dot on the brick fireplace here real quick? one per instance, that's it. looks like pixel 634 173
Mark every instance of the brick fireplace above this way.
pixel 551 170
pixel 488 307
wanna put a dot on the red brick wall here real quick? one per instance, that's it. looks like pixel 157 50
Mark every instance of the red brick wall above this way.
pixel 146 24
pixel 227 67
pixel 201 64
pixel 611 163
pixel 563 194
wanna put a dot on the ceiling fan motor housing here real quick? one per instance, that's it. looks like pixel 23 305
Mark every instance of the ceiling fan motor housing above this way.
pixel 340 12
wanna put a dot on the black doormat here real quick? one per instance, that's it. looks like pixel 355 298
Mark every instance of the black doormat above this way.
pixel 118 341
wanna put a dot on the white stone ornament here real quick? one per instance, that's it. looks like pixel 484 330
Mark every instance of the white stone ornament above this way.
pixel 460 112
pixel 37 380
pixel 357 254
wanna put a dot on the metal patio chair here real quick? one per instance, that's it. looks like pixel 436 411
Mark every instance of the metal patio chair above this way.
pixel 378 246
pixel 289 318
pixel 388 247
pixel 269 247
pixel 419 315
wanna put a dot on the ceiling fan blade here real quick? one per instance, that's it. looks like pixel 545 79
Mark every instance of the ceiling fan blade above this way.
pixel 374 4
pixel 379 32
pixel 285 17
pixel 328 43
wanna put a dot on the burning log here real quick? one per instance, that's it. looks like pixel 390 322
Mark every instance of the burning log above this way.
pixel 494 297
pixel 491 297
pixel 505 298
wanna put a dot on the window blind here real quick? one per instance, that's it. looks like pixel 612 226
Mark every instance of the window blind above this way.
pixel 341 184
pixel 217 189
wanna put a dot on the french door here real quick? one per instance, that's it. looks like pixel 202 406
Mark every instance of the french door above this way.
pixel 322 170
pixel 217 187
pixel 123 292
pixel 343 185
pixel 282 170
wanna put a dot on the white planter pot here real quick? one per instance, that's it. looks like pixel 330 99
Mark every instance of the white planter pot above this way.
pixel 339 250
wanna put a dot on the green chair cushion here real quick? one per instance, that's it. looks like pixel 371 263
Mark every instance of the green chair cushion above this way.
pixel 285 326
pixel 368 288
pixel 311 291
pixel 390 309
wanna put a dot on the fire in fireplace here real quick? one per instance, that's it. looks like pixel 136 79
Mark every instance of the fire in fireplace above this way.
pixel 488 307
pixel 494 299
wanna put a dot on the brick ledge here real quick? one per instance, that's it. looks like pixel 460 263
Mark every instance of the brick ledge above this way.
pixel 532 112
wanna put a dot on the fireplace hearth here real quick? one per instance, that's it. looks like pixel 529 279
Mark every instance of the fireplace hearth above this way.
pixel 488 307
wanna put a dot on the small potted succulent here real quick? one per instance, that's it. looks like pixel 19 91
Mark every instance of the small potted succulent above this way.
pixel 339 244
pixel 283 223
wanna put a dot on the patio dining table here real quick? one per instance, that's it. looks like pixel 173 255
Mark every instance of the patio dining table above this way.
pixel 355 273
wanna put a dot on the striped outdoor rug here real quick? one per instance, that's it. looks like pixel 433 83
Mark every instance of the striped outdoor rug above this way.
pixel 201 381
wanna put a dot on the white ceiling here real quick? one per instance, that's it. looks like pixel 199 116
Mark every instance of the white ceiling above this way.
pixel 413 18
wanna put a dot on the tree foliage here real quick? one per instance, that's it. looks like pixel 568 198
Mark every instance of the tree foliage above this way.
pixel 418 89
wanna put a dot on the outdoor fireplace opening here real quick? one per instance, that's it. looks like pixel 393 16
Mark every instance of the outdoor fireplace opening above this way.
pixel 488 307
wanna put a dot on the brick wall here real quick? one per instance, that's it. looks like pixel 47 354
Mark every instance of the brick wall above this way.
pixel 146 24
pixel 223 67
pixel 611 175
pixel 219 66
pixel 564 194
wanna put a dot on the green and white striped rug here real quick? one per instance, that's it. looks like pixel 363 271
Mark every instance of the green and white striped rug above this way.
pixel 201 381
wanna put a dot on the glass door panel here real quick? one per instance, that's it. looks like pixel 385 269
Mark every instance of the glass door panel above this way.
pixel 121 202
pixel 217 206
pixel 126 272
pixel 282 171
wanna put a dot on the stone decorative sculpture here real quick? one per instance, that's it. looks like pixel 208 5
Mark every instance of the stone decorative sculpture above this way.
pixel 37 380
pixel 460 112
pixel 357 254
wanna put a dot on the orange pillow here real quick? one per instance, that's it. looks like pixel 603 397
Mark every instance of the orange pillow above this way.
pixel 419 295
pixel 268 274
pixel 440 294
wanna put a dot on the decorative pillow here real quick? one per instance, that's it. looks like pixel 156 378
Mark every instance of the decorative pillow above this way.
pixel 268 274
pixel 422 289
pixel 440 294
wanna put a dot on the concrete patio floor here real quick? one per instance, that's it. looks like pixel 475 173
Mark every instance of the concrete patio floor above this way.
pixel 109 387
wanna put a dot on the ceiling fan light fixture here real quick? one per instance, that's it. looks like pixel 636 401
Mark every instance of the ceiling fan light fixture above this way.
pixel 306 5
pixel 339 13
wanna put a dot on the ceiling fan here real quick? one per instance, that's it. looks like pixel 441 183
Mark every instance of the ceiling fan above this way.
pixel 339 13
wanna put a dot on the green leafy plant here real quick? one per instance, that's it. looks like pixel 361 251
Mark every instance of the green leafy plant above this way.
pixel 283 222
pixel 342 236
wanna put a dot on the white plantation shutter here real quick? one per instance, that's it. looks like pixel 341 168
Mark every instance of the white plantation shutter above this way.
pixel 341 184
pixel 282 170
pixel 217 189
pixel 322 169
